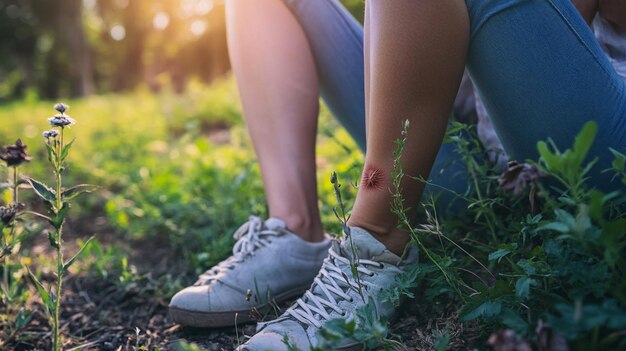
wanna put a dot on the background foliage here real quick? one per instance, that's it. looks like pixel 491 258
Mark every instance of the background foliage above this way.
pixel 58 48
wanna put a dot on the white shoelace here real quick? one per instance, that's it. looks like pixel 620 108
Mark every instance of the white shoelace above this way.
pixel 330 288
pixel 251 236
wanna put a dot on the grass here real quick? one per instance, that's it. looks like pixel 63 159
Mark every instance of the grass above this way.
pixel 162 160
pixel 177 175
pixel 172 170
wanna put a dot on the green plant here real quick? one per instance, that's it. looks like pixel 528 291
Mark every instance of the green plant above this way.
pixel 12 232
pixel 551 255
pixel 201 196
pixel 103 262
pixel 57 200
pixel 366 328
pixel 343 219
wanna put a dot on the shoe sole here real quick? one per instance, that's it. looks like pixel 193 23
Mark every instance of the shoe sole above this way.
pixel 201 319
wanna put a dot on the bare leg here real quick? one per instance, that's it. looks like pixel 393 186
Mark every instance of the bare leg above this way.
pixel 278 84
pixel 415 54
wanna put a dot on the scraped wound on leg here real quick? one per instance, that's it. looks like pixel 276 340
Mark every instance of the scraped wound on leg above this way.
pixel 372 178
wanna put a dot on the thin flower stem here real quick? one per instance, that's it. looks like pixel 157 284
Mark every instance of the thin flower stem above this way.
pixel 57 335
pixel 5 277
pixel 15 199
pixel 56 344
pixel 6 243
pixel 488 215
pixel 58 166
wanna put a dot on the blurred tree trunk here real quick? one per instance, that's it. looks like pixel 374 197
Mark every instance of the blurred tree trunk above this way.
pixel 70 27
pixel 220 63
pixel 25 61
pixel 136 24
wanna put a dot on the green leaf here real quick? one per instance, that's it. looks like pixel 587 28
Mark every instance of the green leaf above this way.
pixel 74 191
pixel 596 204
pixel 355 273
pixel 53 241
pixel 66 150
pixel 59 217
pixel 45 296
pixel 42 190
pixel 486 309
pixel 522 286
pixel 527 266
pixel 611 238
pixel 613 231
pixel 52 153
pixel 619 164
pixel 498 254
pixel 583 141
pixel 551 160
pixel 556 226
pixel 67 265
pixel 23 318
pixel 335 329
pixel 442 342
pixel 514 321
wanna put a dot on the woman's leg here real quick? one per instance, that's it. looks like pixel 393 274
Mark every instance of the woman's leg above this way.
pixel 541 74
pixel 416 54
pixel 403 75
pixel 336 41
pixel 536 63
pixel 278 84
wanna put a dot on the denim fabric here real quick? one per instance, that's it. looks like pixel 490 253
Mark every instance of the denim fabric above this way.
pixel 535 63
pixel 541 73
pixel 336 40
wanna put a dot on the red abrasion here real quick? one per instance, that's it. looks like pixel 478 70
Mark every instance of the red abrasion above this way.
pixel 372 178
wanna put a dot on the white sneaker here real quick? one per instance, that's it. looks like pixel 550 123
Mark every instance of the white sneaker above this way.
pixel 269 264
pixel 334 294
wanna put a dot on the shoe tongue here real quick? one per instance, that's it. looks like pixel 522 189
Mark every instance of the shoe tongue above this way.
pixel 274 223
pixel 367 247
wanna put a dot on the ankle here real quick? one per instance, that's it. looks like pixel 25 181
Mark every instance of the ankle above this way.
pixel 305 227
pixel 394 239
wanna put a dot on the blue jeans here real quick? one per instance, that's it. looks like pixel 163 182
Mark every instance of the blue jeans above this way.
pixel 535 63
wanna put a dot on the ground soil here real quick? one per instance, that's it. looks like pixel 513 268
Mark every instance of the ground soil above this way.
pixel 102 314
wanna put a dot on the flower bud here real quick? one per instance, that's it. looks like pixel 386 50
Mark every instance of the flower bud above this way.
pixel 15 155
pixel 61 107
pixel 50 133
pixel 61 120
pixel 7 214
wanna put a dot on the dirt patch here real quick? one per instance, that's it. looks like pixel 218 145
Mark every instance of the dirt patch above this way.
pixel 99 315
pixel 111 315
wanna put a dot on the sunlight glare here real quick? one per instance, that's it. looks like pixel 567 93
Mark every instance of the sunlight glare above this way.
pixel 198 27
pixel 204 6
pixel 161 20
pixel 118 32
pixel 89 4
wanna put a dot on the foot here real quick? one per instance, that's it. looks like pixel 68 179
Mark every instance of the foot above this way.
pixel 335 294
pixel 269 265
